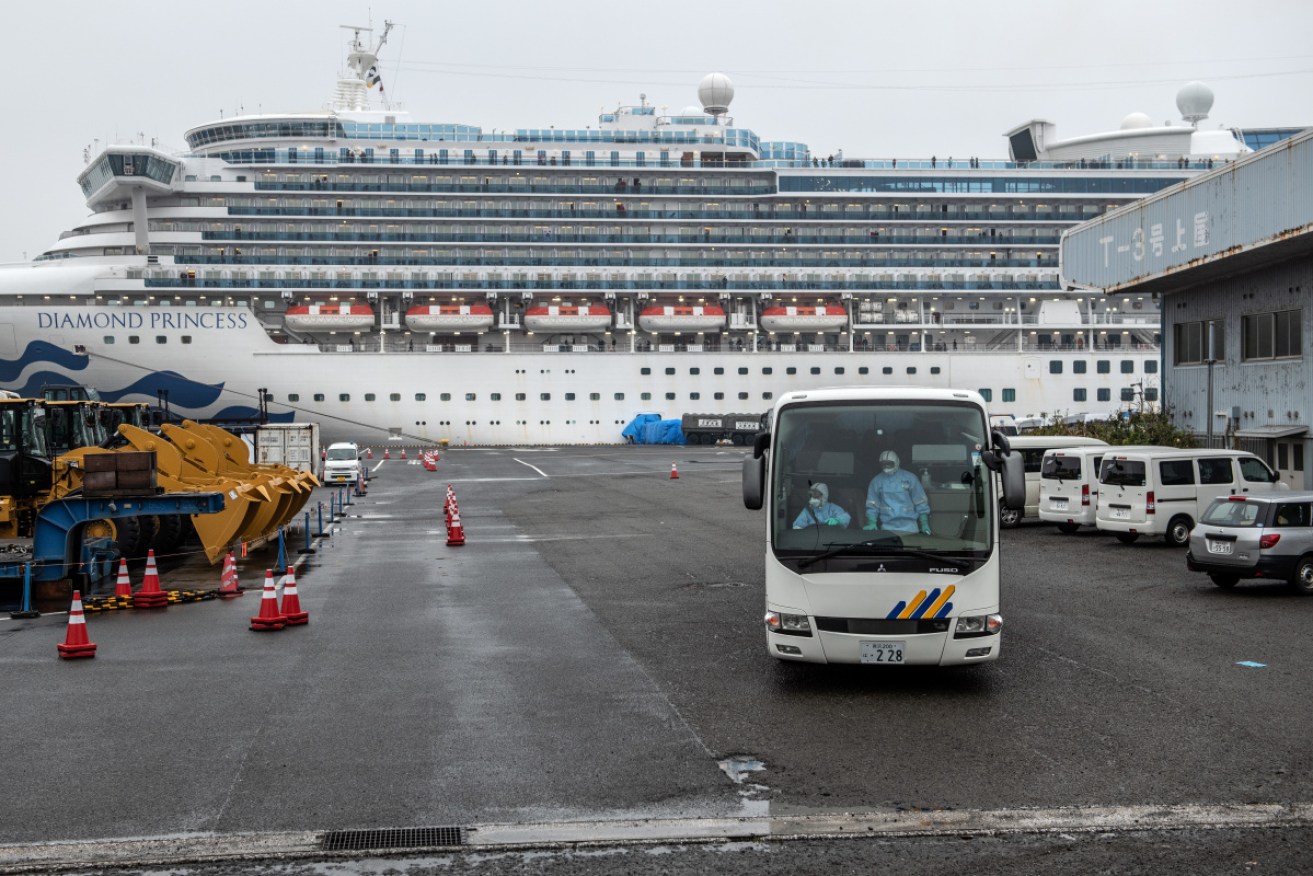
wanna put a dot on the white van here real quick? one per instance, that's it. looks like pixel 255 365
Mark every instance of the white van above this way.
pixel 342 463
pixel 1069 486
pixel 1032 449
pixel 1164 490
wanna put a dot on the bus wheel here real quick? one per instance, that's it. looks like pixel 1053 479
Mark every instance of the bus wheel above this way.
pixel 1178 531
pixel 1226 582
pixel 1009 518
pixel 1127 537
pixel 1068 528
pixel 1301 580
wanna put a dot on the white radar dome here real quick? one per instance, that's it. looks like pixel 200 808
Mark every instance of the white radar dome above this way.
pixel 716 92
pixel 692 111
pixel 1194 100
pixel 1137 120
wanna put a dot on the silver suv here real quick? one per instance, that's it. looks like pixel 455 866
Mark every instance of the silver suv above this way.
pixel 1255 536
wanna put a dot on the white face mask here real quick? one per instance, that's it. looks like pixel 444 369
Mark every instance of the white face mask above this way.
pixel 814 502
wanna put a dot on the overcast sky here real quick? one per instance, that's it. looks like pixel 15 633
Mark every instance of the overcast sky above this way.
pixel 873 78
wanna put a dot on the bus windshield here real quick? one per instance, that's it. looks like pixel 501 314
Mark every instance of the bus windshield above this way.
pixel 861 482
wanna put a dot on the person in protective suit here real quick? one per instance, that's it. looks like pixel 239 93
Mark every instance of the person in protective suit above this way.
pixel 895 499
pixel 820 511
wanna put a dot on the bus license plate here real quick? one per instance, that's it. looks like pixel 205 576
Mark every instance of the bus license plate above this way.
pixel 1059 504
pixel 883 652
pixel 1219 547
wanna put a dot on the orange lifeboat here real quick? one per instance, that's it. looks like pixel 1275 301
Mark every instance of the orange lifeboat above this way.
pixel 567 318
pixel 449 317
pixel 804 318
pixel 682 318
pixel 329 317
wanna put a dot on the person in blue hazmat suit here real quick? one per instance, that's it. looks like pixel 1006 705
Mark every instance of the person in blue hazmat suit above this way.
pixel 820 511
pixel 895 499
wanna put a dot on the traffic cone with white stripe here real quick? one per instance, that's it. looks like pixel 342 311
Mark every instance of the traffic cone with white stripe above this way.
pixel 291 607
pixel 674 472
pixel 76 643
pixel 455 532
pixel 123 586
pixel 151 595
pixel 269 618
pixel 229 587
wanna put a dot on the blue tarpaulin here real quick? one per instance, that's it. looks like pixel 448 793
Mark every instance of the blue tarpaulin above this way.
pixel 651 429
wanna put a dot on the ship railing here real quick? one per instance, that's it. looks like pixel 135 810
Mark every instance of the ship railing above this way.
pixel 750 237
pixel 751 257
pixel 823 285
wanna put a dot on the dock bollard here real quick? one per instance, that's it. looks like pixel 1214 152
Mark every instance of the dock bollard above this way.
pixel 282 550
pixel 25 610
pixel 346 496
pixel 307 549
pixel 319 507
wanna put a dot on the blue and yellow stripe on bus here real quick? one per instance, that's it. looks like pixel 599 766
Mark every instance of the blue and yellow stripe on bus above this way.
pixel 933 604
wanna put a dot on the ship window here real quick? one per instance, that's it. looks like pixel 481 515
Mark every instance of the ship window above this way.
pixel 1078 394
pixel 1151 366
pixel 495 396
pixel 108 339
pixel 911 370
pixel 719 396
pixel 594 396
pixel 1128 366
pixel 1128 394
pixel 544 396
pixel 647 396
pixel 1078 367
pixel 863 370
pixel 987 394
pixel 620 396
pixel 743 370
pixel 396 396
pixel 769 370
pixel 186 339
pixel 1151 394
pixel 1009 395
pixel 344 396
pixel 319 396
pixel 743 396
pixel 816 370
pixel 470 396
pixel 718 370
pixel 695 371
pixel 421 396
pixel 886 370
pixel 694 396
pixel 519 396
pixel 446 396
pixel 670 396
pixel 569 396
pixel 645 371
pixel 1104 394
pixel 767 396
pixel 839 370
pixel 789 370
pixel 1103 366
pixel 133 339
pixel 369 396
pixel 934 369
pixel 1055 366
pixel 293 397
pixel 670 370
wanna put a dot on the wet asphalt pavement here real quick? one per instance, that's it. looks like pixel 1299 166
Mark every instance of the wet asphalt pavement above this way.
pixel 594 652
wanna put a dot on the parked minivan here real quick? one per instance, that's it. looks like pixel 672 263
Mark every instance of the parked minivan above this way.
pixel 1032 448
pixel 1069 486
pixel 1164 490
pixel 342 463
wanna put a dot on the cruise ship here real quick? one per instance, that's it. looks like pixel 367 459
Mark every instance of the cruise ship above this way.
pixel 424 282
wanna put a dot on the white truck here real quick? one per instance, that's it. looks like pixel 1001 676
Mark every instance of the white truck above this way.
pixel 342 463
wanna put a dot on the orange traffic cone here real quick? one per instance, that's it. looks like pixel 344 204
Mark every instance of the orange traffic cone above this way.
pixel 369 453
pixel 229 588
pixel 387 454
pixel 674 472
pixel 403 453
pixel 291 607
pixel 150 595
pixel 76 644
pixel 455 532
pixel 123 586
pixel 268 619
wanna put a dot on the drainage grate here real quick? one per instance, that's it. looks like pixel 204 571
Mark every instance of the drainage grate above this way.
pixel 391 838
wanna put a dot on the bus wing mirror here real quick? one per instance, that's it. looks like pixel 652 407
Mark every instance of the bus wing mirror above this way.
pixel 754 481
pixel 760 444
pixel 1012 472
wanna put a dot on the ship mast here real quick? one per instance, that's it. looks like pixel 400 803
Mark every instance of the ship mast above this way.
pixel 362 71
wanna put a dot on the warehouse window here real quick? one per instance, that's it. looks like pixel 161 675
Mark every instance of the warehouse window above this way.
pixel 1275 335
pixel 1190 342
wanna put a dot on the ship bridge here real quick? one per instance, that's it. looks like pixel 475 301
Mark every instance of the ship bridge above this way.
pixel 126 174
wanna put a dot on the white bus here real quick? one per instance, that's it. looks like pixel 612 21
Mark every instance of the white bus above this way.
pixel 884 567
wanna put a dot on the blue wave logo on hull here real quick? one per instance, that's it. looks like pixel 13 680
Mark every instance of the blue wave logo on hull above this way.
pixel 40 352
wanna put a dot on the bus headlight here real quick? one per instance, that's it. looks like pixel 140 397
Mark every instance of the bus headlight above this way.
pixel 972 626
pixel 788 624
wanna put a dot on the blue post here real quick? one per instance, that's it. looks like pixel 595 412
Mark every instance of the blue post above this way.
pixel 319 507
pixel 307 549
pixel 25 610
pixel 346 493
pixel 282 552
